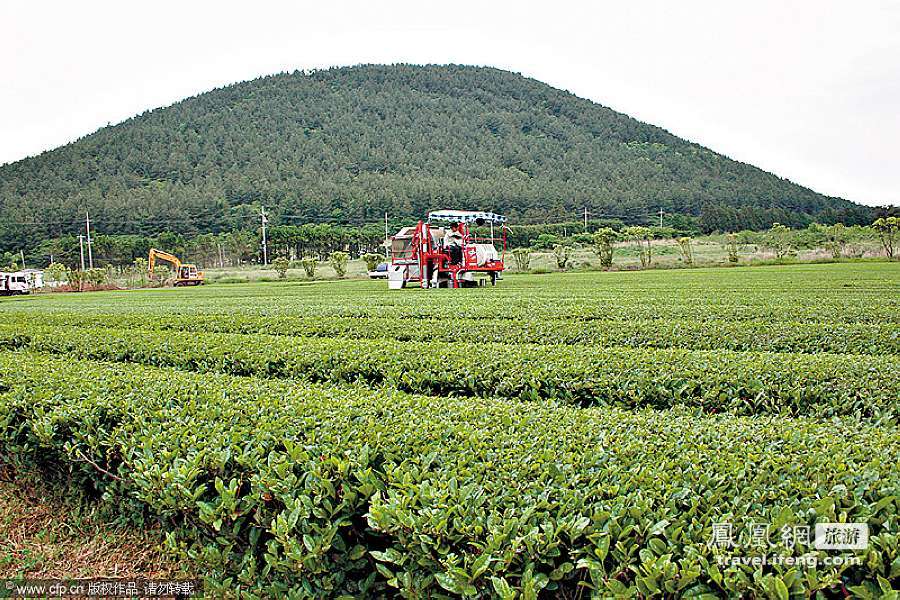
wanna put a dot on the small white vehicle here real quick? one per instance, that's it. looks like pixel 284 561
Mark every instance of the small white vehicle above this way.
pixel 380 271
pixel 21 282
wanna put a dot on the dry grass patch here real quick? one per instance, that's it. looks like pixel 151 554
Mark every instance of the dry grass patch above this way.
pixel 46 535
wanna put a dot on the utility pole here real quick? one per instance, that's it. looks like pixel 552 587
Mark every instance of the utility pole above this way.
pixel 585 218
pixel 386 234
pixel 87 226
pixel 81 244
pixel 262 214
pixel 660 217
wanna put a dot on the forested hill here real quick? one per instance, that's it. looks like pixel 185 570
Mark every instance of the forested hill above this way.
pixel 349 144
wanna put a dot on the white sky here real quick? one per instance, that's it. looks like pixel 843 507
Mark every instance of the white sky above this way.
pixel 809 90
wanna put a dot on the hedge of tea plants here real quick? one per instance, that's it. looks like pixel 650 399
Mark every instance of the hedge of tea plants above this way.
pixel 558 436
pixel 742 382
pixel 323 491
pixel 747 335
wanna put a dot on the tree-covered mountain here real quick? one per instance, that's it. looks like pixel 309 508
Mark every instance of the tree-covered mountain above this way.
pixel 349 144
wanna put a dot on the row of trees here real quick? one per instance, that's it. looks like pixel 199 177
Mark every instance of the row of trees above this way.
pixel 319 242
pixel 338 260
pixel 780 239
pixel 226 249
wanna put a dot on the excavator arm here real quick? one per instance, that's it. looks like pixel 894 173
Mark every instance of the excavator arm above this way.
pixel 163 256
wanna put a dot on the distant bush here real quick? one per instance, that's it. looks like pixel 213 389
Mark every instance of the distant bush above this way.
pixel 522 258
pixel 281 265
pixel 372 260
pixel 642 236
pixel 603 241
pixel 309 266
pixel 562 253
pixel 687 252
pixel 339 262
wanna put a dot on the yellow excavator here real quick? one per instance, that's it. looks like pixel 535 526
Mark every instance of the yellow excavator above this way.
pixel 185 274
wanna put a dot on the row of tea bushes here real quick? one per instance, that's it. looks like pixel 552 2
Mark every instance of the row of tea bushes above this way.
pixel 757 336
pixel 317 491
pixel 742 382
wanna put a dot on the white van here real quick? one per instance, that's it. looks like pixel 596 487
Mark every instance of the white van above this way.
pixel 21 282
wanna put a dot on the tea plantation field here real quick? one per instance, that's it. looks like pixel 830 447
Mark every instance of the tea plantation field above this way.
pixel 565 435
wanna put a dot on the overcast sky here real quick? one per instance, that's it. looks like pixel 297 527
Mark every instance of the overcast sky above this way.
pixel 809 90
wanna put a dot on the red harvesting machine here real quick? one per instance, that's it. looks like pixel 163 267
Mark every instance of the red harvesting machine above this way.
pixel 446 251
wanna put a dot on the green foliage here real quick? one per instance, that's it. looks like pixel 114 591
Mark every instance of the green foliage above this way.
pixel 96 277
pixel 562 253
pixel 798 384
pixel 525 236
pixel 603 239
pixel 339 262
pixel 56 272
pixel 546 241
pixel 579 437
pixel 139 267
pixel 836 239
pixel 309 266
pixel 641 235
pixel 286 490
pixel 687 252
pixel 281 266
pixel 732 246
pixel 371 259
pixel 522 259
pixel 779 240
pixel 161 273
pixel 887 228
pixel 75 279
pixel 9 261
pixel 302 144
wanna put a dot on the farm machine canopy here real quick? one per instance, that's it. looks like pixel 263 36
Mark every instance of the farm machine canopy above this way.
pixel 466 216
pixel 453 255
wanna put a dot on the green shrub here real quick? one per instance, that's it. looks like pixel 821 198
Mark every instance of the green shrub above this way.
pixel 731 247
pixel 778 238
pixel 887 228
pixel 309 266
pixel 687 252
pixel 281 266
pixel 522 258
pixel 284 490
pixel 339 262
pixel 641 235
pixel 372 260
pixel 635 331
pixel 562 253
pixel 603 241
pixel 56 272
pixel 744 382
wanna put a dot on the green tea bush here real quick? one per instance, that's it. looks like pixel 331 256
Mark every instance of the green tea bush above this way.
pixel 746 383
pixel 750 335
pixel 307 491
